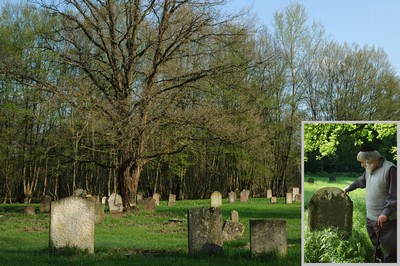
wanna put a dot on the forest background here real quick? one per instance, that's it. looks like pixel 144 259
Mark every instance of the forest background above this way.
pixel 171 97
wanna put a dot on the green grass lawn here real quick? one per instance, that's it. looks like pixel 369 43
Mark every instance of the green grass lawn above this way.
pixel 143 238
pixel 328 246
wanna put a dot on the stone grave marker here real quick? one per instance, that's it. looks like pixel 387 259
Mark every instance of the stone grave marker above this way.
pixel 216 199
pixel 296 191
pixel 98 209
pixel 45 204
pixel 289 198
pixel 115 203
pixel 244 195
pixel 29 210
pixel 232 230
pixel 268 236
pixel 104 200
pixel 72 224
pixel 297 198
pixel 140 198
pixel 273 200
pixel 232 197
pixel 310 180
pixel 171 200
pixel 150 204
pixel 205 231
pixel 157 197
pixel 330 207
pixel 235 216
pixel 269 193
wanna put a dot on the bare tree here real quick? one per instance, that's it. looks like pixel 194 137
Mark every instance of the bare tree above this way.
pixel 140 59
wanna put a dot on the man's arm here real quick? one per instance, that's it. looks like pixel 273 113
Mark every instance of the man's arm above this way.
pixel 391 199
pixel 359 183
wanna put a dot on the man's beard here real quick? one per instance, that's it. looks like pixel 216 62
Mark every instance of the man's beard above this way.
pixel 369 168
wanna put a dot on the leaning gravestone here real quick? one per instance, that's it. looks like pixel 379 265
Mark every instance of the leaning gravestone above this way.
pixel 115 203
pixel 268 236
pixel 330 207
pixel 216 199
pixel 232 197
pixel 205 231
pixel 244 195
pixel 45 204
pixel 72 224
pixel 171 200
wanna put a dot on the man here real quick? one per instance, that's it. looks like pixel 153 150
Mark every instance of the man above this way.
pixel 380 182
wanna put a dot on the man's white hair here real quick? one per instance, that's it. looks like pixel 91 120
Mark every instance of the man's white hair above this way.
pixel 368 156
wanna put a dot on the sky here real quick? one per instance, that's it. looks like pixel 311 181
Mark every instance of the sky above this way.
pixel 371 22
pixel 364 22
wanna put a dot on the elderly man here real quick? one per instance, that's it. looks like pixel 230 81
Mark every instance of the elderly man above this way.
pixel 380 182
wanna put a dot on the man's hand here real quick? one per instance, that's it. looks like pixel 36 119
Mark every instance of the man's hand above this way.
pixel 382 219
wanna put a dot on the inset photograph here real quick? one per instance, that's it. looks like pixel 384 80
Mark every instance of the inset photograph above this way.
pixel 350 192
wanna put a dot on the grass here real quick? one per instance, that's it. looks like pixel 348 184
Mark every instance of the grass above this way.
pixel 143 238
pixel 329 245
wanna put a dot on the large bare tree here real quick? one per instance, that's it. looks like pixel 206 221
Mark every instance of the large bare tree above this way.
pixel 140 60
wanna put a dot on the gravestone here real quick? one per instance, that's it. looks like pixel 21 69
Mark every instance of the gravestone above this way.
pixel 150 204
pixel 267 236
pixel 205 231
pixel 269 193
pixel 98 209
pixel 157 198
pixel 115 203
pixel 72 224
pixel 79 192
pixel 296 191
pixel 216 199
pixel 232 230
pixel 235 216
pixel 139 198
pixel 244 195
pixel 310 180
pixel 29 210
pixel 297 198
pixel 330 207
pixel 289 198
pixel 45 204
pixel 273 200
pixel 104 200
pixel 171 200
pixel 232 197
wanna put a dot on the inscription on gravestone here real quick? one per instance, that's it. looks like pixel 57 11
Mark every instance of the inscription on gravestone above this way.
pixel 72 224
pixel 330 207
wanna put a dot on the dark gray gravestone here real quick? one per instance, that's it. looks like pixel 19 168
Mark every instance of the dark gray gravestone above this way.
pixel 330 207
pixel 268 236
pixel 205 231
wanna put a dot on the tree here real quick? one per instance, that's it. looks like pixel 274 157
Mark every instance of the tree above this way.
pixel 140 59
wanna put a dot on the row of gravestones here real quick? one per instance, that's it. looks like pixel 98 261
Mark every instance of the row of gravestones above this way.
pixel 207 235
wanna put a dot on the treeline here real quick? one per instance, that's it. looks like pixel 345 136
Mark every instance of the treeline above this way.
pixel 170 97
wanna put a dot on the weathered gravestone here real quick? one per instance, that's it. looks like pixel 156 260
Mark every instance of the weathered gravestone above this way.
pixel 205 231
pixel 140 198
pixel 267 236
pixel 235 216
pixel 115 203
pixel 72 224
pixel 330 207
pixel 297 198
pixel 45 204
pixel 273 200
pixel 98 209
pixel 150 204
pixel 244 195
pixel 296 191
pixel 216 199
pixel 29 210
pixel 289 198
pixel 232 197
pixel 171 200
pixel 269 193
pixel 104 200
pixel 157 198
